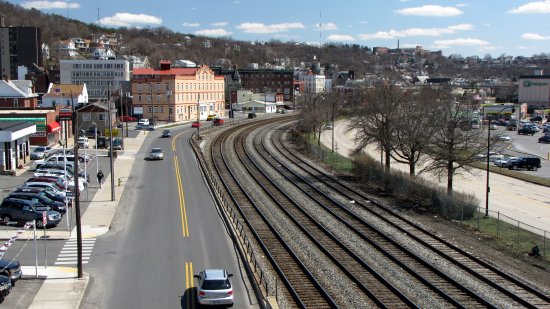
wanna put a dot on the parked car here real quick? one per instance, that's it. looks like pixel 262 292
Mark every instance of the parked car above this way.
pixel 493 126
pixel 196 124
pixel 11 269
pixel 211 117
pixel 166 133
pixel 83 142
pixel 544 139
pixel 536 119
pixel 218 122
pixel 55 159
pixel 143 122
pixel 40 198
pixel 215 287
pixel 527 130
pixel 13 209
pixel 504 138
pixel 156 154
pixel 41 152
pixel 252 115
pixel 46 185
pixel 529 163
pixel 118 143
pixel 48 193
pixel 5 287
pixel 502 162
pixel 126 119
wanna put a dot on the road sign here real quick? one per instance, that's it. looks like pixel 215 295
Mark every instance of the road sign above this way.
pixel 44 218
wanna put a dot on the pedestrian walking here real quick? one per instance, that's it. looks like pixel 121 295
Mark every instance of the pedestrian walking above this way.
pixel 100 177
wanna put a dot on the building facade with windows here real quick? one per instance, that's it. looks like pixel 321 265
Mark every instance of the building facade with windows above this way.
pixel 534 90
pixel 177 94
pixel 19 46
pixel 101 76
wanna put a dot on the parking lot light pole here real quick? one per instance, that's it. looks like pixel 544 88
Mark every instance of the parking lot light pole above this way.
pixel 488 188
pixel 77 195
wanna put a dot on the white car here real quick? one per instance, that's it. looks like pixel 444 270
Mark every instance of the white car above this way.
pixel 215 287
pixel 83 142
pixel 504 138
pixel 502 162
pixel 41 152
pixel 156 154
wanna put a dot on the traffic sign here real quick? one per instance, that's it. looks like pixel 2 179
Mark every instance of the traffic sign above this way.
pixel 44 218
pixel 65 114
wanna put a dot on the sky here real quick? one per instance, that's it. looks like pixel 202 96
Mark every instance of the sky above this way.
pixel 465 27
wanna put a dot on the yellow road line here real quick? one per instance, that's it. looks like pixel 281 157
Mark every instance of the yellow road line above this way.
pixel 183 213
pixel 189 284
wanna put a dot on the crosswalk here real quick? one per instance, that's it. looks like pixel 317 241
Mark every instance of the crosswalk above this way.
pixel 68 255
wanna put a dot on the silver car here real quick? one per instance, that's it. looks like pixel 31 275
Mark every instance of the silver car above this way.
pixel 215 287
pixel 41 152
pixel 156 154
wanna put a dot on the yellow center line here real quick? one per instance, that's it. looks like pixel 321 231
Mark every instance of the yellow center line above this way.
pixel 189 284
pixel 181 194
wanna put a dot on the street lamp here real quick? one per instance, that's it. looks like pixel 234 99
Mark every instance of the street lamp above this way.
pixel 198 117
pixel 488 188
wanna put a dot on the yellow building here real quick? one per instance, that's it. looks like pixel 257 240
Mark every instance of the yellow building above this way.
pixel 174 94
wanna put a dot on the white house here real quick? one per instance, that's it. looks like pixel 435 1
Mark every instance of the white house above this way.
pixel 65 95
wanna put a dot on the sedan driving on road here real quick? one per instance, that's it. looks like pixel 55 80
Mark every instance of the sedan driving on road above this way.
pixel 544 139
pixel 214 287
pixel 156 154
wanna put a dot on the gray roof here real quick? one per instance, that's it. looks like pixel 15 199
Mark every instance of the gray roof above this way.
pixel 14 126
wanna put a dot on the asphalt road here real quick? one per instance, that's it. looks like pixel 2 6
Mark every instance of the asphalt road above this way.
pixel 528 144
pixel 157 243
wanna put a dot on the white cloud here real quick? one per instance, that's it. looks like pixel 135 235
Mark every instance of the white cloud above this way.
pixel 49 5
pixel 534 36
pixel 461 5
pixel 363 22
pixel 460 42
pixel 213 32
pixel 186 24
pixel 340 37
pixel 129 19
pixel 394 34
pixel 538 7
pixel 430 10
pixel 327 26
pixel 263 28
pixel 219 24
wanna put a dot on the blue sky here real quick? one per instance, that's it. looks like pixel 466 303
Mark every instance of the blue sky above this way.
pixel 496 27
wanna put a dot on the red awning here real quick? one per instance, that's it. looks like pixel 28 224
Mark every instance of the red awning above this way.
pixel 53 127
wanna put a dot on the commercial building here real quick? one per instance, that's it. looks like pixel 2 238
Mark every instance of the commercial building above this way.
pixel 19 46
pixel 173 94
pixel 101 76
pixel 14 145
pixel 534 90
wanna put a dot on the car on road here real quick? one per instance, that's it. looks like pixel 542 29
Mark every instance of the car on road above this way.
pixel 143 122
pixel 41 152
pixel 156 154
pixel 196 124
pixel 504 138
pixel 215 287
pixel 544 139
pixel 211 117
pixel 13 209
pixel 252 115
pixel 11 269
pixel 126 119
pixel 166 133
pixel 218 122
pixel 528 163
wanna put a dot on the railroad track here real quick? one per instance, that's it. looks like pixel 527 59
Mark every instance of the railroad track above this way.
pixel 506 285
pixel 300 284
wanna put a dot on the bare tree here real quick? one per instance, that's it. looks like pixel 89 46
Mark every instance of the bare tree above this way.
pixel 413 127
pixel 453 146
pixel 375 119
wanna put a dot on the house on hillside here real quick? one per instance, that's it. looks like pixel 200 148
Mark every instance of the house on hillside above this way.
pixel 17 93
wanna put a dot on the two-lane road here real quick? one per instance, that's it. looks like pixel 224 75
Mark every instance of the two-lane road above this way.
pixel 165 230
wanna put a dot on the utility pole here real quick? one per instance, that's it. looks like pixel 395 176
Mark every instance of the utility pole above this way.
pixel 111 144
pixel 198 117
pixel 77 193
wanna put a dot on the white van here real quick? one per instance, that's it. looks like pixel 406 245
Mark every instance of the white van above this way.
pixel 143 122
pixel 56 159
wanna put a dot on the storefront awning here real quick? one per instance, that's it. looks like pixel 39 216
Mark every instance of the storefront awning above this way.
pixel 53 127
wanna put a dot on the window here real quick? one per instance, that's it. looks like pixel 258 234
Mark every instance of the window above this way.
pixel 101 116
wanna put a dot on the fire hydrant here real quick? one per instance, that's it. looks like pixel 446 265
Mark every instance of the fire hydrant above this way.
pixel 119 181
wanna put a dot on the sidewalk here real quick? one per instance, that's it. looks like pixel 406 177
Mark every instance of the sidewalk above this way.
pixel 62 289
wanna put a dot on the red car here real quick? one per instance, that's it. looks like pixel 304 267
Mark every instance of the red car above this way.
pixel 195 124
pixel 218 122
pixel 127 119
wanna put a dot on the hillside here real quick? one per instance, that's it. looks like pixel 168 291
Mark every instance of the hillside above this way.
pixel 162 43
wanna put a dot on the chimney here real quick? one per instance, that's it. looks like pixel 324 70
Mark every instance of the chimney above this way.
pixel 165 65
